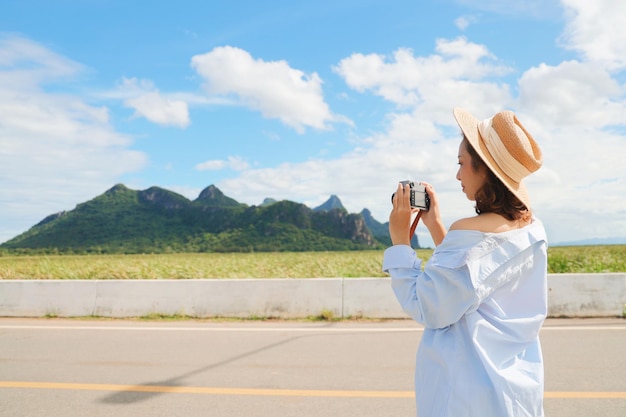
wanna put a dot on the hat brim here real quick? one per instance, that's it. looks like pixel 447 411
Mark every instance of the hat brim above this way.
pixel 469 125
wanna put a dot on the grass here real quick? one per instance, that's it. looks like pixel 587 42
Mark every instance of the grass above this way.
pixel 194 265
pixel 587 259
pixel 583 259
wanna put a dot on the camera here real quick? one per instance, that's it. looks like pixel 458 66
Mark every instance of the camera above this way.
pixel 419 197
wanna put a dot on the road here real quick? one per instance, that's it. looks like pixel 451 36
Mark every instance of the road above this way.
pixel 93 368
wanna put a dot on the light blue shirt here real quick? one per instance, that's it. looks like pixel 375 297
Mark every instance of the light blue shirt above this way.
pixel 482 298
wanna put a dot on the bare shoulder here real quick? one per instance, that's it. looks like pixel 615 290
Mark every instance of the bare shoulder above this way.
pixel 469 223
pixel 487 223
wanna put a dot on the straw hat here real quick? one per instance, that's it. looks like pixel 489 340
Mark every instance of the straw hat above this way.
pixel 505 147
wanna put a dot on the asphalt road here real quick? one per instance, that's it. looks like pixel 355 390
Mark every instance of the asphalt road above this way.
pixel 92 368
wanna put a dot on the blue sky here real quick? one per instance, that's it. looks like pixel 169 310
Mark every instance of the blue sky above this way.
pixel 301 100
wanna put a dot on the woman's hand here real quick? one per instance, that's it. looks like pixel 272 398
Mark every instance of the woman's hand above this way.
pixel 400 217
pixel 432 218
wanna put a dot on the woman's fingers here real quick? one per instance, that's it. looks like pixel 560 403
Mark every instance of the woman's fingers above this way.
pixel 399 198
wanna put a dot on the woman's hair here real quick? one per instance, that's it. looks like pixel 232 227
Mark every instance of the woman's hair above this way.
pixel 494 196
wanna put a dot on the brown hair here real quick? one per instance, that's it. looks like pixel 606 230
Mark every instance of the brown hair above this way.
pixel 494 196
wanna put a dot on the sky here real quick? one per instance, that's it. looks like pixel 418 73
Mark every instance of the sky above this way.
pixel 302 100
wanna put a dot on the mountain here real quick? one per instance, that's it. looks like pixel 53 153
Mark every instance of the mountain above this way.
pixel 157 197
pixel 211 196
pixel 380 231
pixel 122 220
pixel 268 202
pixel 331 204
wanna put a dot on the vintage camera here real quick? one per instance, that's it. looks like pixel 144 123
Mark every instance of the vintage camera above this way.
pixel 419 197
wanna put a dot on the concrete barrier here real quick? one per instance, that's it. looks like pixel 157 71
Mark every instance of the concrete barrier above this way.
pixel 587 295
pixel 570 295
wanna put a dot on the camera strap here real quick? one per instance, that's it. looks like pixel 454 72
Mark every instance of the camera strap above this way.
pixel 414 225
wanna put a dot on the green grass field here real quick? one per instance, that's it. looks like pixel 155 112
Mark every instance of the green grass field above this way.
pixel 583 259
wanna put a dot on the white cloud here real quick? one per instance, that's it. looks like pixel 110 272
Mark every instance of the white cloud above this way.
pixel 273 88
pixel 414 80
pixel 573 94
pixel 148 102
pixel 463 22
pixel 236 163
pixel 26 63
pixel 596 29
pixel 211 165
pixel 55 149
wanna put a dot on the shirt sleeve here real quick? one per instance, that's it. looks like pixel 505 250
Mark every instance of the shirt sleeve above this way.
pixel 436 297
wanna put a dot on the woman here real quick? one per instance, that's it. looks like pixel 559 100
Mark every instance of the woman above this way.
pixel 482 296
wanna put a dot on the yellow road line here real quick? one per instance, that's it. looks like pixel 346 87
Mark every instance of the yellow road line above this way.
pixel 267 392
pixel 206 390
pixel 585 394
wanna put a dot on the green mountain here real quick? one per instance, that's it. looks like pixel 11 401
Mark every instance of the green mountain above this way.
pixel 156 220
pixel 332 203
